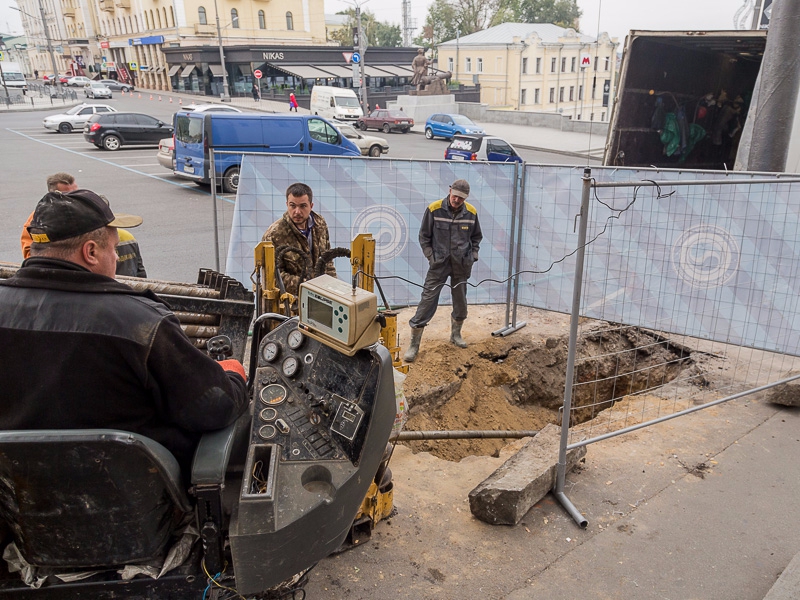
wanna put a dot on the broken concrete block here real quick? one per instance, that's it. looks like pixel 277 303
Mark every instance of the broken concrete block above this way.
pixel 787 394
pixel 509 493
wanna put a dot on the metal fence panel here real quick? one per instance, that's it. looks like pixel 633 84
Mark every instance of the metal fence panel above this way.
pixel 385 197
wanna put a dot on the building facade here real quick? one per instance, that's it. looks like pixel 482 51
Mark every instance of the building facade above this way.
pixel 126 39
pixel 536 67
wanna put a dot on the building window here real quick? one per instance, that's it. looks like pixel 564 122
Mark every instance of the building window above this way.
pixel 289 21
pixel 523 96
pixel 450 64
pixel 262 21
pixel 561 94
pixel 536 96
pixel 602 116
pixel 538 65
pixel 595 63
pixel 563 64
pixel 608 63
pixel 572 64
pixel 234 18
pixel 571 93
pixel 552 95
pixel 553 65
pixel 468 65
pixel 480 65
pixel 580 92
pixel 524 66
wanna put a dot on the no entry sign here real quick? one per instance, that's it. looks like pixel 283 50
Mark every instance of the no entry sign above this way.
pixel 257 74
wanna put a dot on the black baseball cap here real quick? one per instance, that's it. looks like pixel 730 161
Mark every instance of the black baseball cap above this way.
pixel 60 216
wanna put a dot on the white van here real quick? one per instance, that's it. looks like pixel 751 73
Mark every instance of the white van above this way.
pixel 335 103
pixel 13 77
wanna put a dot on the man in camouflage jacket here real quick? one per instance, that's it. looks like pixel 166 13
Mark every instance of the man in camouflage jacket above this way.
pixel 300 228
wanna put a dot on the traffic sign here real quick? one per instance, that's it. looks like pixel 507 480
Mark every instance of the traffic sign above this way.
pixel 586 60
pixel 347 56
pixel 2 56
pixel 356 57
pixel 257 74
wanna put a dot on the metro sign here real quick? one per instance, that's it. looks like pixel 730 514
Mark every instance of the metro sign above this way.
pixel 586 60
pixel 348 56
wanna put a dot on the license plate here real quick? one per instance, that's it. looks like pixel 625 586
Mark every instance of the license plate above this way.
pixel 456 157
pixel 188 169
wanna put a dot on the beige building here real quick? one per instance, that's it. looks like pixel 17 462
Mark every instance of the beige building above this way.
pixel 123 39
pixel 536 67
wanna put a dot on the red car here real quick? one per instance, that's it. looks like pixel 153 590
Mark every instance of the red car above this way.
pixel 50 79
pixel 386 121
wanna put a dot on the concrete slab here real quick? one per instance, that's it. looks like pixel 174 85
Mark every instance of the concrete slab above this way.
pixel 788 585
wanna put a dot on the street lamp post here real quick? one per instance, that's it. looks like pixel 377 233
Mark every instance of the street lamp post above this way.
pixel 225 97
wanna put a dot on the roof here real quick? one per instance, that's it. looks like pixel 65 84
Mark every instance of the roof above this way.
pixel 506 32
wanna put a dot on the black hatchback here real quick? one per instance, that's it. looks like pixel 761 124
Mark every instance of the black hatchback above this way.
pixel 114 130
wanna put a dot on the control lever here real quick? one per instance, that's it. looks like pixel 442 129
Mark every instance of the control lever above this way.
pixel 219 347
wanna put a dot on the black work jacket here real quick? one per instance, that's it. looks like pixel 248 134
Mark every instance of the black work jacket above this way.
pixel 81 350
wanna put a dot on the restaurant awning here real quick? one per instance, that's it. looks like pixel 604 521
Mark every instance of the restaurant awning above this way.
pixel 302 71
pixel 371 71
pixel 337 70
pixel 396 70
pixel 187 70
pixel 216 70
pixel 174 69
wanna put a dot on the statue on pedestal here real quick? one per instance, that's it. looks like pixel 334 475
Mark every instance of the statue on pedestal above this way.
pixel 420 67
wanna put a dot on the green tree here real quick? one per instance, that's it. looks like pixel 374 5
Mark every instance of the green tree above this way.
pixel 564 13
pixel 377 33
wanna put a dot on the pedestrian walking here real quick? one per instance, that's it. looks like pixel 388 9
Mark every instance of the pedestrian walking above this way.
pixel 292 102
pixel 450 237
pixel 256 91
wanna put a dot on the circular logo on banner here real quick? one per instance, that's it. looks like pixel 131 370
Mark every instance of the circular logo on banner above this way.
pixel 705 256
pixel 386 225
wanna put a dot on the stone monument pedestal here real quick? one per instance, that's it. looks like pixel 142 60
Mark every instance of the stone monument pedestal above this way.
pixel 420 108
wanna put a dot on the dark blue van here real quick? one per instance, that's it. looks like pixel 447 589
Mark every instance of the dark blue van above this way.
pixel 195 133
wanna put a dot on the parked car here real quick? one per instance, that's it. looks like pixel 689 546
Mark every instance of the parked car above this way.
pixel 447 125
pixel 369 145
pixel 204 108
pixel 477 147
pixel 78 81
pixel 386 121
pixel 117 86
pixel 114 130
pixel 166 153
pixel 96 89
pixel 75 118
pixel 50 79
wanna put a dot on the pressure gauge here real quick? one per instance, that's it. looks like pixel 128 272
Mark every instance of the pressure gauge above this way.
pixel 270 351
pixel 296 339
pixel 274 394
pixel 290 366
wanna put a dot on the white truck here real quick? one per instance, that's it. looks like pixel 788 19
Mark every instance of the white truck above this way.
pixel 335 103
pixel 12 77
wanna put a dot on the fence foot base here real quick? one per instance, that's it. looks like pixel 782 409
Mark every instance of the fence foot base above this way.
pixel 509 329
pixel 570 508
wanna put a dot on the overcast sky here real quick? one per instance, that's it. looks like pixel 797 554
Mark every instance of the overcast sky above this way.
pixel 616 17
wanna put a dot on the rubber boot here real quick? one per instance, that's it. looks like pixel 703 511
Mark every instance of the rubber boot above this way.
pixel 455 333
pixel 411 354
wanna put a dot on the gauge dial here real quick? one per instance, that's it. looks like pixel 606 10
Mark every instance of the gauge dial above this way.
pixel 290 366
pixel 296 339
pixel 273 394
pixel 270 351
pixel 267 432
pixel 269 414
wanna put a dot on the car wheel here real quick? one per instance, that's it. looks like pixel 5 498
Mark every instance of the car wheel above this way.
pixel 111 142
pixel 363 126
pixel 429 133
pixel 230 181
pixel 65 128
pixel 125 88
pixel 386 128
pixel 375 151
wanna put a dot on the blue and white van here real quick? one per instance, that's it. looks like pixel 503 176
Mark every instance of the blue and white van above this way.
pixel 195 133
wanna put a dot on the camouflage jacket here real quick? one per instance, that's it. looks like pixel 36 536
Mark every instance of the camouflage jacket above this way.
pixel 298 267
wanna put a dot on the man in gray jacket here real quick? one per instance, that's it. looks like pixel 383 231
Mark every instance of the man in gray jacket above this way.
pixel 450 237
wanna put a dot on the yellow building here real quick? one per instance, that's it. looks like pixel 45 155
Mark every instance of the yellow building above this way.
pixel 123 39
pixel 536 67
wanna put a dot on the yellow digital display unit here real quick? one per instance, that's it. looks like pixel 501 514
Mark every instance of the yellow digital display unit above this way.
pixel 338 315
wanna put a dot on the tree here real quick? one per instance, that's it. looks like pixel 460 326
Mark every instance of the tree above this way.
pixel 564 13
pixel 377 33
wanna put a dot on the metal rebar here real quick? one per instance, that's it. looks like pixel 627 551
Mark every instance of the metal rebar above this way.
pixel 485 434
pixel 188 318
pixel 199 331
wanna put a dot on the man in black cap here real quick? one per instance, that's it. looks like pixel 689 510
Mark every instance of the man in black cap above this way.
pixel 85 351
pixel 450 237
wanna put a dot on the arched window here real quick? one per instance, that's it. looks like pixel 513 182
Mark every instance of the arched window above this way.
pixel 158 14
pixel 201 16
pixel 152 20
pixel 262 21
pixel 235 18
pixel 289 21
pixel 166 23
pixel 172 15
pixel 146 22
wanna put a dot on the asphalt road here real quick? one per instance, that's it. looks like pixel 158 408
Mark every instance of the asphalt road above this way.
pixel 177 236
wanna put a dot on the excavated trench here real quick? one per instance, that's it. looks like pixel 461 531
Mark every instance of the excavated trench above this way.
pixel 517 383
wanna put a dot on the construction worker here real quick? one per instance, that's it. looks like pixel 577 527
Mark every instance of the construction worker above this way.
pixel 450 237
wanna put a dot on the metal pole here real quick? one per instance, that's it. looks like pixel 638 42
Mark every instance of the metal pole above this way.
pixel 225 97
pixel 49 45
pixel 573 343
pixel 213 177
pixel 362 48
pixel 3 79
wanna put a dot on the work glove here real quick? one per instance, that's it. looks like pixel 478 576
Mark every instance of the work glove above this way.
pixel 232 365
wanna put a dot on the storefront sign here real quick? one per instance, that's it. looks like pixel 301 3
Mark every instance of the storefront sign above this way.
pixel 104 44
pixel 273 55
pixel 147 41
